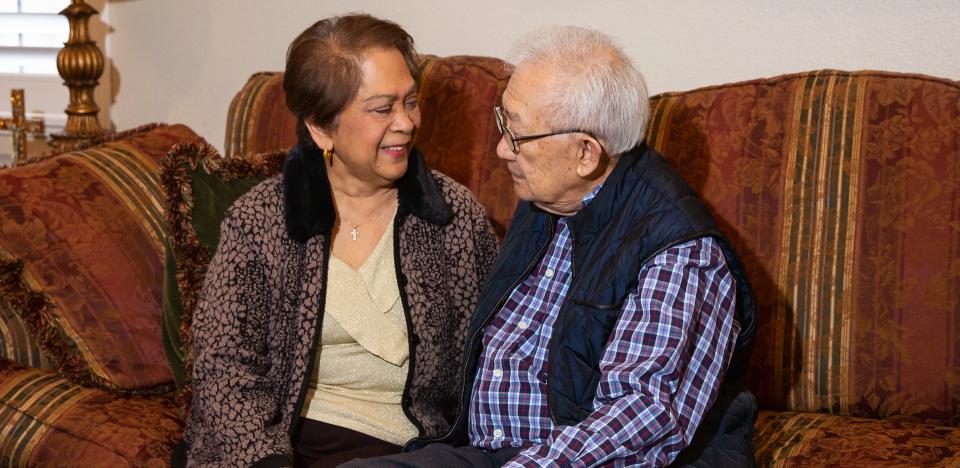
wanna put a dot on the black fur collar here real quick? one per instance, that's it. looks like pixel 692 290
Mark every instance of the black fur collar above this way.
pixel 309 201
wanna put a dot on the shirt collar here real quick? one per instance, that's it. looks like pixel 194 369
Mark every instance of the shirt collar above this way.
pixel 590 195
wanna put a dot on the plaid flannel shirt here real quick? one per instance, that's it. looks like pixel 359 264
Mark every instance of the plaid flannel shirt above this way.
pixel 660 371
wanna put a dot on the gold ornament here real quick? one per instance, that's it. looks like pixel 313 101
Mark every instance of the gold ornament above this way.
pixel 80 64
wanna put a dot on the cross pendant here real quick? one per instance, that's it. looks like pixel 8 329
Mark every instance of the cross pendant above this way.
pixel 354 233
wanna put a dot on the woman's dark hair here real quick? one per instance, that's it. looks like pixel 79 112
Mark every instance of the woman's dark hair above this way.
pixel 324 65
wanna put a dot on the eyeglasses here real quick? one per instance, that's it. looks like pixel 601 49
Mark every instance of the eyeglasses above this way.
pixel 515 140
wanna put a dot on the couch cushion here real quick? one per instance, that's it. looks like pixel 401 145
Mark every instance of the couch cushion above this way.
pixel 841 191
pixel 50 421
pixel 810 439
pixel 453 90
pixel 81 241
pixel 199 187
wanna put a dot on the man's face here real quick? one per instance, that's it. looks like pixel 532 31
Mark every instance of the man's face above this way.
pixel 544 170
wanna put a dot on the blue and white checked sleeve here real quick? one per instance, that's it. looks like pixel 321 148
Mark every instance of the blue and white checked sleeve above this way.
pixel 661 369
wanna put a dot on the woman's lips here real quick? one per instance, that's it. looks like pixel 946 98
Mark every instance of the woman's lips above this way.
pixel 395 150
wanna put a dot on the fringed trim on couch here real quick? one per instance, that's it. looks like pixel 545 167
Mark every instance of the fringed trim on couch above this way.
pixel 32 306
pixel 35 310
pixel 191 256
pixel 97 140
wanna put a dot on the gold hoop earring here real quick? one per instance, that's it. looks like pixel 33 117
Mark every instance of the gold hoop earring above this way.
pixel 327 154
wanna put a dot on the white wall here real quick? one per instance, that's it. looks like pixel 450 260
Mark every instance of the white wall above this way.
pixel 182 60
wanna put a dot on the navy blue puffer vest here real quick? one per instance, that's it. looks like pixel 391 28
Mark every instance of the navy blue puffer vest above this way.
pixel 643 209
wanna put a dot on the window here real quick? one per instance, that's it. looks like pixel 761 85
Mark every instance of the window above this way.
pixel 32 32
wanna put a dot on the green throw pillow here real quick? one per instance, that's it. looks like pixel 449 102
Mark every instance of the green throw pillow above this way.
pixel 200 186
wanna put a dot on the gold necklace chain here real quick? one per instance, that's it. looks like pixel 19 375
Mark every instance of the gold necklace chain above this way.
pixel 355 229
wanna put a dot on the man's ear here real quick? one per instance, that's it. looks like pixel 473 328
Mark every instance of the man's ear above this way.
pixel 320 136
pixel 591 161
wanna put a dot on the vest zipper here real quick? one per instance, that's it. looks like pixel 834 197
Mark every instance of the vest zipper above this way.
pixel 553 335
pixel 551 228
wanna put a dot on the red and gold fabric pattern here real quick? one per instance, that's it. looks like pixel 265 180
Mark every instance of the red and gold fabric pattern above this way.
pixel 81 255
pixel 258 120
pixel 787 439
pixel 840 190
pixel 16 342
pixel 46 420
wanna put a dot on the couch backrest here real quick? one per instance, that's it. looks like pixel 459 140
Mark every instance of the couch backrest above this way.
pixel 841 191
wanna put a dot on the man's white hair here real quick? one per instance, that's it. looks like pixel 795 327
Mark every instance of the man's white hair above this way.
pixel 594 86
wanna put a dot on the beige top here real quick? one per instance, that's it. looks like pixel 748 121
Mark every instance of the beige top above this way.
pixel 361 365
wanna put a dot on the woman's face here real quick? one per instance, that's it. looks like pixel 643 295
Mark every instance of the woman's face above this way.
pixel 373 135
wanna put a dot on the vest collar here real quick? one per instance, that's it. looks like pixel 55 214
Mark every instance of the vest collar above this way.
pixel 308 199
pixel 599 212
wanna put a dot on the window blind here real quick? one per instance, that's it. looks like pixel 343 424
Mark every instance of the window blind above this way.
pixel 31 34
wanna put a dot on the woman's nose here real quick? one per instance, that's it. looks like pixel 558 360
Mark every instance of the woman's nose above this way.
pixel 405 121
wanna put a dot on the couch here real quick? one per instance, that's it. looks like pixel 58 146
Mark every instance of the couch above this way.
pixel 840 190
pixel 84 380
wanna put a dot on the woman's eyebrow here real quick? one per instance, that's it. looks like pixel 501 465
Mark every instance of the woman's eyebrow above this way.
pixel 392 97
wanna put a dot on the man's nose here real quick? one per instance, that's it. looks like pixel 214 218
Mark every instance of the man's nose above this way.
pixel 503 150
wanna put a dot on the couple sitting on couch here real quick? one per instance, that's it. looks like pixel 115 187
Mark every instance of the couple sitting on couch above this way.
pixel 357 307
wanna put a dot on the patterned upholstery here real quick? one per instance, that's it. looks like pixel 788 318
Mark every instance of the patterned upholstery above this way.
pixel 46 420
pixel 16 342
pixel 458 134
pixel 841 191
pixel 258 120
pixel 81 240
pixel 815 439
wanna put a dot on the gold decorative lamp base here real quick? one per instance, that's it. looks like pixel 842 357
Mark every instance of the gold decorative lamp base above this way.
pixel 80 63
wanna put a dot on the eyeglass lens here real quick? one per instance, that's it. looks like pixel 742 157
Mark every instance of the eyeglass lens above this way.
pixel 498 113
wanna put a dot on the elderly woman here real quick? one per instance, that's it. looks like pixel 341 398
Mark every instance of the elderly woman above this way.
pixel 332 320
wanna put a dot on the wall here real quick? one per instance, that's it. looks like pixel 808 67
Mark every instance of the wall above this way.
pixel 182 60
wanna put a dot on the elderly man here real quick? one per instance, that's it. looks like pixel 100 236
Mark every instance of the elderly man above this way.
pixel 616 323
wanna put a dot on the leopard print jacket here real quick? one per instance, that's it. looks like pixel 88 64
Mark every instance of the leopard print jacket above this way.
pixel 258 319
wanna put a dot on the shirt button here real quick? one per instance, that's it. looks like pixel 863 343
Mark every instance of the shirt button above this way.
pixel 497 433
pixel 548 273
pixel 497 373
pixel 523 325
